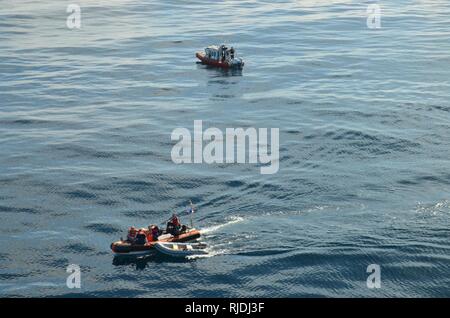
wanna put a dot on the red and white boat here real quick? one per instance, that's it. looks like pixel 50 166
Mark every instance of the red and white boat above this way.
pixel 220 56
pixel 125 247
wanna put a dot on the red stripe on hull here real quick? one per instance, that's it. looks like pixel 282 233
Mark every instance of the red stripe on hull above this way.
pixel 211 62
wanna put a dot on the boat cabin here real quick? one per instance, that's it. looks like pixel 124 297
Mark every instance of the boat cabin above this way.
pixel 221 53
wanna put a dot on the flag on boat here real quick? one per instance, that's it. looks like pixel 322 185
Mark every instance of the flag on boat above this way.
pixel 189 210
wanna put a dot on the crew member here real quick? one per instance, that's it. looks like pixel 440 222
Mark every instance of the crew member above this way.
pixel 155 232
pixel 141 238
pixel 173 226
pixel 131 234
pixel 175 220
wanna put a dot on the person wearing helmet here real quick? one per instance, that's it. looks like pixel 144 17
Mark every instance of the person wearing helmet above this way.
pixel 173 226
pixel 175 221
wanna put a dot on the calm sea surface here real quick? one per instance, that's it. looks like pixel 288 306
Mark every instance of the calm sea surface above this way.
pixel 364 117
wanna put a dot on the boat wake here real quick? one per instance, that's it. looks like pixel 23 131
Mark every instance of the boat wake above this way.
pixel 212 250
pixel 288 213
pixel 213 228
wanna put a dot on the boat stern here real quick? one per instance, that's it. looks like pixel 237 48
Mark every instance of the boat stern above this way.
pixel 237 63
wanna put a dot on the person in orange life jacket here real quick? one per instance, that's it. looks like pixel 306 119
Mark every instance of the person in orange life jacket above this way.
pixel 131 234
pixel 148 233
pixel 153 233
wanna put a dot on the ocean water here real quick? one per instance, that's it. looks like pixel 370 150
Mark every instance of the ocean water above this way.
pixel 364 116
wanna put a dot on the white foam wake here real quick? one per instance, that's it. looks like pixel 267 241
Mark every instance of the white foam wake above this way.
pixel 213 228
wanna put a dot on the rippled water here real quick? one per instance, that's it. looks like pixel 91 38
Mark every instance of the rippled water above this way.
pixel 85 123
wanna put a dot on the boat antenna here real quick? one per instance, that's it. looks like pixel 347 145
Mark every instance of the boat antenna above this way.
pixel 191 212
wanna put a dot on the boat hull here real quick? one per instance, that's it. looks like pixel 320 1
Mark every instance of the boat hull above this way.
pixel 126 248
pixel 205 60
pixel 165 249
